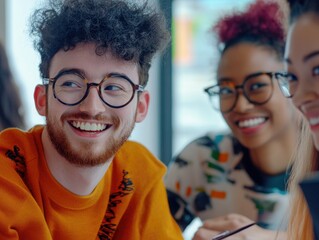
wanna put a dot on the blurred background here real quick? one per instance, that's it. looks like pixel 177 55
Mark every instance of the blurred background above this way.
pixel 179 110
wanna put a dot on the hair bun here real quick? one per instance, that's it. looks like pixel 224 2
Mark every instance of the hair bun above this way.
pixel 262 19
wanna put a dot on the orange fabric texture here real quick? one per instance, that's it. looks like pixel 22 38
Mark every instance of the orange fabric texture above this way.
pixel 130 202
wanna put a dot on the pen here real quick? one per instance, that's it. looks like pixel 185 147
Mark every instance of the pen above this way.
pixel 231 232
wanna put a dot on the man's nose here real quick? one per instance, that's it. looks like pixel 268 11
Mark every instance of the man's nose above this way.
pixel 93 104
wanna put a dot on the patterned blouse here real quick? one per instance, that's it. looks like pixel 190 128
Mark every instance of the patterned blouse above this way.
pixel 214 176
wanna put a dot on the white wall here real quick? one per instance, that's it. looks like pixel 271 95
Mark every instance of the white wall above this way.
pixel 24 62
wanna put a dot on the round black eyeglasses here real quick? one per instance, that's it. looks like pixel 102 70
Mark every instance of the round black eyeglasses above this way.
pixel 71 88
pixel 257 89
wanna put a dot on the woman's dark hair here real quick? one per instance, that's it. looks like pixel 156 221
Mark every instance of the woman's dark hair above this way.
pixel 11 110
pixel 261 24
pixel 132 32
pixel 301 7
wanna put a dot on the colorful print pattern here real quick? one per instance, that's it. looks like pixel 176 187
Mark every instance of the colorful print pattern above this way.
pixel 213 176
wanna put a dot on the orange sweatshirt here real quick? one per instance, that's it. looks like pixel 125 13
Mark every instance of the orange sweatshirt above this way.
pixel 130 202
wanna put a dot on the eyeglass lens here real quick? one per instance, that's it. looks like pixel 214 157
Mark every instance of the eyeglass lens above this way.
pixel 257 89
pixel 71 89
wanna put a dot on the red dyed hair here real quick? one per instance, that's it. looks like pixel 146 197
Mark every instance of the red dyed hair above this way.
pixel 262 20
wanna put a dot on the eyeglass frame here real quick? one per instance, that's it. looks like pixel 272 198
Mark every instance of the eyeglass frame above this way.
pixel 272 75
pixel 136 87
pixel 286 81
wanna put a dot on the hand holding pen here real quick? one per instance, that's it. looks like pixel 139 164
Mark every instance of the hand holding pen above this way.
pixel 228 233
pixel 235 226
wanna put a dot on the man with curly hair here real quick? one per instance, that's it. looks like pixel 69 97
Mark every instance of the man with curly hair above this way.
pixel 77 177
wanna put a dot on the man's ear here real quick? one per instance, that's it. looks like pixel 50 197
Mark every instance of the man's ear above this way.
pixel 40 99
pixel 142 106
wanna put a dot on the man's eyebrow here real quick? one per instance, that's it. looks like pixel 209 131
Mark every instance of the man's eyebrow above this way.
pixel 117 74
pixel 71 70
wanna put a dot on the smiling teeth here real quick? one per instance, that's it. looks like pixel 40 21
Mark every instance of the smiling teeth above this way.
pixel 89 126
pixel 314 121
pixel 251 122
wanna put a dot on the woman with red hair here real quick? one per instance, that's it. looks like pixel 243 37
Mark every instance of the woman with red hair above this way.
pixel 229 180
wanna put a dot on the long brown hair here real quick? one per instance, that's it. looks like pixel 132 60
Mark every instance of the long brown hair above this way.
pixel 305 161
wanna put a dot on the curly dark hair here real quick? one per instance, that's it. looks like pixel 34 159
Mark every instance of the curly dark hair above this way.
pixel 301 7
pixel 261 24
pixel 11 108
pixel 131 31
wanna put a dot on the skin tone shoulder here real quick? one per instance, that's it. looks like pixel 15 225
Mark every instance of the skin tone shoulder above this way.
pixel 302 61
pixel 80 141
